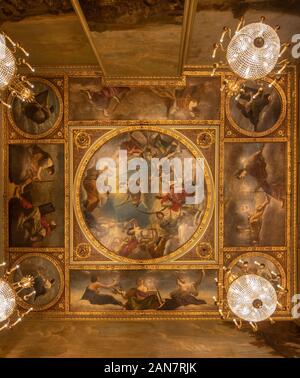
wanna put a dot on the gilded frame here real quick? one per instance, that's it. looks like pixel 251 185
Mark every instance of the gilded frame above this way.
pixel 145 314
pixel 254 134
pixel 285 256
pixel 61 276
pixel 56 123
pixel 168 131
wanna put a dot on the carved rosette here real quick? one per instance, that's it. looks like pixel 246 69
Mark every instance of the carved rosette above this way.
pixel 82 139
pixel 83 251
pixel 206 138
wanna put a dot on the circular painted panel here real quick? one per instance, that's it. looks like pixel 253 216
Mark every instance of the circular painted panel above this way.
pixel 257 263
pixel 151 226
pixel 40 117
pixel 257 112
pixel 48 280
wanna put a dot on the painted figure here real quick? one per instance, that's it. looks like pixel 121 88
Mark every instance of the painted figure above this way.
pixel 256 167
pixel 186 294
pixel 39 111
pixel 94 292
pixel 42 284
pixel 252 103
pixel 103 98
pixel 141 297
pixel 33 219
pixel 255 220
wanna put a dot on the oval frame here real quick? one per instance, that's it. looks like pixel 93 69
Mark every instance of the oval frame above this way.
pixel 265 132
pixel 195 238
pixel 56 123
pixel 61 288
pixel 258 254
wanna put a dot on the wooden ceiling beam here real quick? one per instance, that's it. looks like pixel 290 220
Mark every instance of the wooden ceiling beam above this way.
pixel 86 29
pixel 187 27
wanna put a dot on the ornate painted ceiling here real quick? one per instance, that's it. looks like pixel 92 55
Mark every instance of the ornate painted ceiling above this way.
pixel 150 37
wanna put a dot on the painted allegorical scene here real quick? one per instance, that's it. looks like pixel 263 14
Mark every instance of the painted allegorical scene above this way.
pixel 257 109
pixel 255 263
pixel 149 225
pixel 35 195
pixel 143 290
pixel 255 194
pixel 47 279
pixel 42 114
pixel 90 100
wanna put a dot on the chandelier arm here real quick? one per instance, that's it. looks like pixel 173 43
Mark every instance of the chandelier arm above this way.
pixel 22 49
pixel 26 312
pixel 272 321
pixel 27 296
pixel 283 61
pixel 221 313
pixel 4 326
pixel 18 289
pixel 240 24
pixel 15 323
pixel 216 46
pixel 274 81
pixel 9 272
pixel 262 19
pixel 24 80
pixel 282 289
pixel 238 96
pixel 238 323
pixel 284 47
pixel 18 96
pixel 259 92
pixel 9 40
pixel 226 30
pixel 276 275
pixel 284 65
pixel 21 61
pixel 254 326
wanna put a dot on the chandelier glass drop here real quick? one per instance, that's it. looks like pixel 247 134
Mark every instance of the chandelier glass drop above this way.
pixel 10 293
pixel 252 53
pixel 12 56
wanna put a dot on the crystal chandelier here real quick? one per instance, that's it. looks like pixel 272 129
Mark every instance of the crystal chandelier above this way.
pixel 249 297
pixel 252 298
pixel 252 54
pixel 10 79
pixel 10 293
